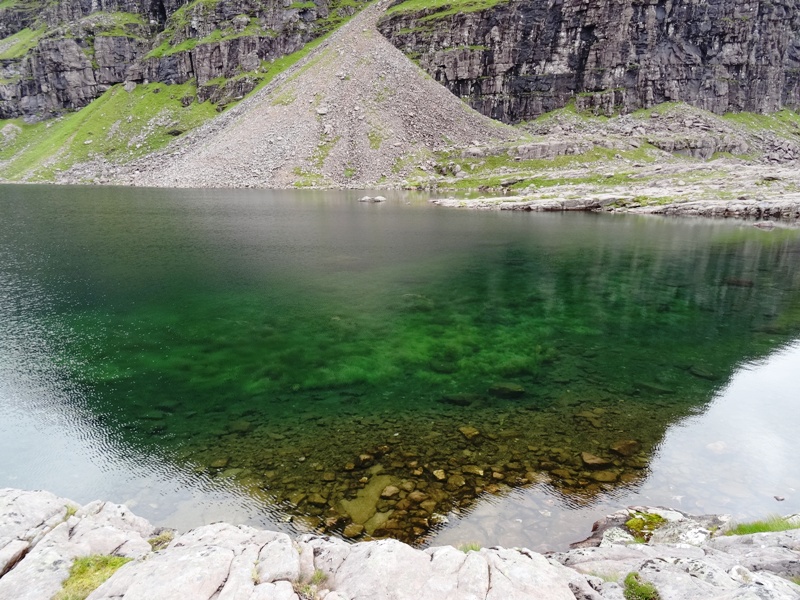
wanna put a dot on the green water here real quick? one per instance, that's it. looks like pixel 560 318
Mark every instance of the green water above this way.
pixel 311 350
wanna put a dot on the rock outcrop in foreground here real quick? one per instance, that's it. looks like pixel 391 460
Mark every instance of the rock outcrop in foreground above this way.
pixel 41 535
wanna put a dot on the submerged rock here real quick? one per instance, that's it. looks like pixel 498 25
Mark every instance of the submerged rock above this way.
pixel 469 432
pixel 625 447
pixel 590 460
pixel 361 508
pixel 507 390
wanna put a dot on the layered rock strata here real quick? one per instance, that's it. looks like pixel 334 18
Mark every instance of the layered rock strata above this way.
pixel 41 535
pixel 516 60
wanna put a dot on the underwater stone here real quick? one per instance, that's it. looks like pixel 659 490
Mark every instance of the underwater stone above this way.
pixel 390 491
pixel 507 390
pixel 220 463
pixel 702 373
pixel 604 476
pixel 590 460
pixel 459 399
pixel 625 447
pixel 456 481
pixel 439 474
pixel 472 470
pixel 428 506
pixel 240 426
pixel 317 499
pixel 353 530
pixel 363 506
pixel 417 497
pixel 469 432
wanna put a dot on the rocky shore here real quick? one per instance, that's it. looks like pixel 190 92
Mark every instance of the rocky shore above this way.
pixel 685 557
pixel 787 208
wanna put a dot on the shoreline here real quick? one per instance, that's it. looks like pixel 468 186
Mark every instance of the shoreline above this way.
pixel 42 535
pixel 787 209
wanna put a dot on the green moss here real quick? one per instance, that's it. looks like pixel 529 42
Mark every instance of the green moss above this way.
pixel 784 123
pixel 470 547
pixel 633 588
pixel 644 524
pixel 167 49
pixel 162 540
pixel 19 44
pixel 437 9
pixel 774 523
pixel 319 577
pixel 87 574
pixel 120 24
pixel 285 98
pixel 307 179
pixel 118 126
pixel 322 152
pixel 375 139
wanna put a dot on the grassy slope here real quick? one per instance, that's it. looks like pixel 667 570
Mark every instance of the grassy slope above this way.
pixel 122 126
pixel 19 44
pixel 118 126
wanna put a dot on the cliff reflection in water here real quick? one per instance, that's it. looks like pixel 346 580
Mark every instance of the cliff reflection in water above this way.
pixel 367 370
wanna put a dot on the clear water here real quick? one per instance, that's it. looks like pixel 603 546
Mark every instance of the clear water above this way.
pixel 280 358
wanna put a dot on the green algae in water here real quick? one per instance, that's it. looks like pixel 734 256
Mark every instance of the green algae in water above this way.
pixel 310 354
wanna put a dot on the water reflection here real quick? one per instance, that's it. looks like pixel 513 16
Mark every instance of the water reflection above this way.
pixel 735 458
pixel 394 370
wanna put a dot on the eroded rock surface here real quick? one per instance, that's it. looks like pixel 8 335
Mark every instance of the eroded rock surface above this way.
pixel 43 534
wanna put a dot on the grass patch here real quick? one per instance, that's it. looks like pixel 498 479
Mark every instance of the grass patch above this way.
pixel 162 540
pixel 774 523
pixel 118 126
pixel 19 44
pixel 470 547
pixel 118 24
pixel 167 49
pixel 642 525
pixel 784 123
pixel 87 574
pixel 308 589
pixel 322 152
pixel 375 139
pixel 437 9
pixel 633 588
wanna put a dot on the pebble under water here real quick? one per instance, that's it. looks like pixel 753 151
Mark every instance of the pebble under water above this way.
pixel 375 370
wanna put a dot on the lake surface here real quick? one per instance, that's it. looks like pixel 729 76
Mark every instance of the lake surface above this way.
pixel 303 361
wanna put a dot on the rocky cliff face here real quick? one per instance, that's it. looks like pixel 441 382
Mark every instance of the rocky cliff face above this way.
pixel 62 55
pixel 519 59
